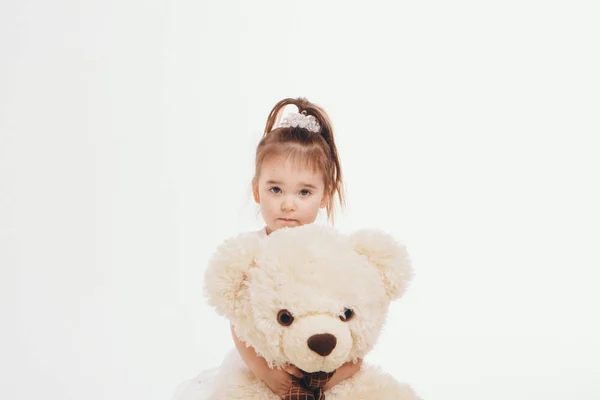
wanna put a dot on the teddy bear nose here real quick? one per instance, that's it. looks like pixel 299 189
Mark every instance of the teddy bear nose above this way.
pixel 322 344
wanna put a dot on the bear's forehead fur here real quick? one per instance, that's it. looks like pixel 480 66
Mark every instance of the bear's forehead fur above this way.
pixel 313 270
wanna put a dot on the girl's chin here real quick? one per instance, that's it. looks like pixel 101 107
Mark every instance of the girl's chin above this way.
pixel 284 222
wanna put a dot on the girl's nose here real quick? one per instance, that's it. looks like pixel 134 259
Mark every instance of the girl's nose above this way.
pixel 288 205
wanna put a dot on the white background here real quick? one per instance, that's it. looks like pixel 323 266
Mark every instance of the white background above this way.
pixel 467 129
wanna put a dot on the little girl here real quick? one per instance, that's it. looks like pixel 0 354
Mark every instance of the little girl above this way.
pixel 297 173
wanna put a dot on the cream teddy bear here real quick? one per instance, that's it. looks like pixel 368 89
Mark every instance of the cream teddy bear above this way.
pixel 312 297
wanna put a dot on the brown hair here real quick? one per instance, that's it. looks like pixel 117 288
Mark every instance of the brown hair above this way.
pixel 315 150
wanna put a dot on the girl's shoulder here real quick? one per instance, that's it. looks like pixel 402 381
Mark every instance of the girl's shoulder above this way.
pixel 261 233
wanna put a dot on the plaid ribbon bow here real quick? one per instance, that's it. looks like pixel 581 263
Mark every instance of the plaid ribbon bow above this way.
pixel 309 387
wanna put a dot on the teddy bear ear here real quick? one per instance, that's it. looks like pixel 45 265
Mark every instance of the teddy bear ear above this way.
pixel 225 276
pixel 389 257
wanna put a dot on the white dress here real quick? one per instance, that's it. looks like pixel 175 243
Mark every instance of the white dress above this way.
pixel 199 388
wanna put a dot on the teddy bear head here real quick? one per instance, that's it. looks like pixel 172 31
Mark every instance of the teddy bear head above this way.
pixel 308 296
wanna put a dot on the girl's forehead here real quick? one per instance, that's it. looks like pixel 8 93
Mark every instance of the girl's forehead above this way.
pixel 289 170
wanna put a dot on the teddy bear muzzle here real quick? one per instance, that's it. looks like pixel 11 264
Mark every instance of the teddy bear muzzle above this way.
pixel 318 342
pixel 322 344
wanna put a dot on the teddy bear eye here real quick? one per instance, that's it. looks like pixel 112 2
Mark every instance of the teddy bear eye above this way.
pixel 348 314
pixel 285 318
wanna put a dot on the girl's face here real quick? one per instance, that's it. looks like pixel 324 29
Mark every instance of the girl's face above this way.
pixel 288 195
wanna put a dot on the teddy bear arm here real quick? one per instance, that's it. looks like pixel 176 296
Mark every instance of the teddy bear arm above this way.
pixel 371 383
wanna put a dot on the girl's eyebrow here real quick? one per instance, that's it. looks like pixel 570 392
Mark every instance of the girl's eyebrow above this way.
pixel 308 185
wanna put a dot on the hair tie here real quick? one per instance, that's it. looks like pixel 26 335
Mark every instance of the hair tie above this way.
pixel 301 120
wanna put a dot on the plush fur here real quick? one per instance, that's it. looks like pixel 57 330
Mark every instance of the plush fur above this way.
pixel 316 274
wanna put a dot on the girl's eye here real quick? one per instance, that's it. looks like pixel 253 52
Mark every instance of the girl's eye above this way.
pixel 275 189
pixel 305 192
